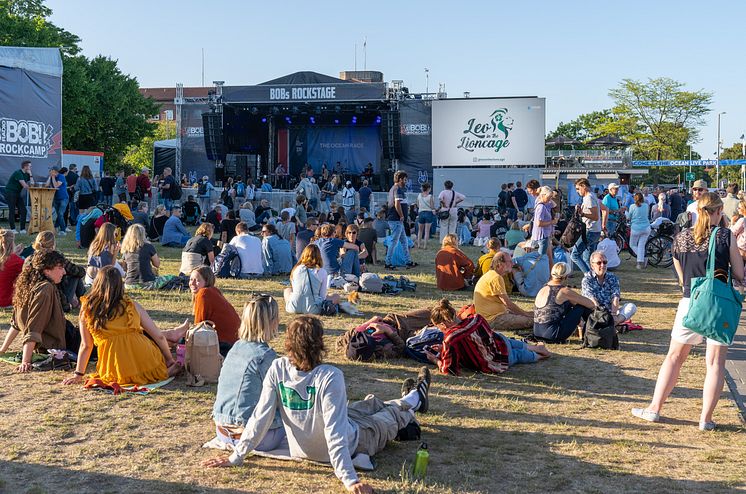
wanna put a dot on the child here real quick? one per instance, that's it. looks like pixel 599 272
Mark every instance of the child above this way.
pixel 463 228
pixel 483 230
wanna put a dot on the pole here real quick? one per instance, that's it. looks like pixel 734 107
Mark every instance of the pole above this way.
pixel 203 67
pixel 355 57
pixel 717 165
pixel 365 54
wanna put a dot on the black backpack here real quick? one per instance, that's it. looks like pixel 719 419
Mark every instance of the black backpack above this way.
pixel 227 263
pixel 574 230
pixel 202 189
pixel 115 217
pixel 600 331
pixel 175 191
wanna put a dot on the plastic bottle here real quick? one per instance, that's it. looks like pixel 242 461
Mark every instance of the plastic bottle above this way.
pixel 421 459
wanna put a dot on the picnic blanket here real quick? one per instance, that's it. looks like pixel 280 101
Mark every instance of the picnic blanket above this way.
pixel 15 358
pixel 115 389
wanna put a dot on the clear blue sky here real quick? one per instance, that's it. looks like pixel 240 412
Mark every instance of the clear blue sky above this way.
pixel 570 52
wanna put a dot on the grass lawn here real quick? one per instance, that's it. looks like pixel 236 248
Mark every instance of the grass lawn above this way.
pixel 560 425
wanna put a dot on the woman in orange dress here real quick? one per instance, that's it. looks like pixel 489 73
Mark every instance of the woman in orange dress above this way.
pixel 117 325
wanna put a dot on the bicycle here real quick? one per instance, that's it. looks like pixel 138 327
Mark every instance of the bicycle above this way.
pixel 657 247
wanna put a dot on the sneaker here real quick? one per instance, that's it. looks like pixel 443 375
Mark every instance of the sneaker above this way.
pixel 51 363
pixel 22 232
pixel 390 267
pixel 62 233
pixel 423 388
pixel 645 414
pixel 14 231
pixel 707 426
pixel 412 264
pixel 408 385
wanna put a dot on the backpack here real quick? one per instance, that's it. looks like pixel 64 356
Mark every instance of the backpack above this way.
pixel 473 344
pixel 203 357
pixel 600 331
pixel 574 230
pixel 175 190
pixel 227 263
pixel 425 339
pixel 115 217
pixel 202 189
pixel 371 283
pixel 227 199
pixel 240 189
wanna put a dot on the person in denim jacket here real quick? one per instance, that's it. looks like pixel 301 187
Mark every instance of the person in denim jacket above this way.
pixel 243 372
pixel 277 256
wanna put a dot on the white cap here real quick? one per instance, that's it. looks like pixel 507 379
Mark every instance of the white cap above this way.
pixel 349 183
pixel 613 185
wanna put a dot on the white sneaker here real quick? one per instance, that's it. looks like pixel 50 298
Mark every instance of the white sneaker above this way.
pixel 62 233
pixel 14 231
pixel 22 232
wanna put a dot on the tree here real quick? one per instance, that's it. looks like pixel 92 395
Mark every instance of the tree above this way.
pixel 735 152
pixel 141 155
pixel 584 127
pixel 657 116
pixel 24 23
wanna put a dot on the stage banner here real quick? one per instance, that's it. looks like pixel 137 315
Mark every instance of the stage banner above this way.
pixel 305 93
pixel 488 132
pixel 194 161
pixel 352 146
pixel 297 151
pixel 30 110
pixel 415 119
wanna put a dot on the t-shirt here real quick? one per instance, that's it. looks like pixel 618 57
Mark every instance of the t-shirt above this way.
pixel 8 274
pixel 400 196
pixel 486 301
pixel 169 180
pixel 200 245
pixel 521 198
pixel 330 253
pixel 61 192
pixel 285 230
pixel 302 239
pixel 381 227
pixel 369 237
pixel 139 269
pixel 612 203
pixel 211 305
pixel 365 193
pixel 611 251
pixel 14 182
pixel 107 185
pixel 446 196
pixel 229 227
pixel 589 202
pixel 249 250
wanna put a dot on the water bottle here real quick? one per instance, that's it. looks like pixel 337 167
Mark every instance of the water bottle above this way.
pixel 421 459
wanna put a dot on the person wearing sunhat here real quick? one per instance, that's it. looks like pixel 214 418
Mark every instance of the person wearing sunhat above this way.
pixel 613 209
pixel 699 188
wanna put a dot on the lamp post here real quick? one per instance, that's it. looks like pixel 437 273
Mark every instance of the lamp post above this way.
pixel 717 165
pixel 427 80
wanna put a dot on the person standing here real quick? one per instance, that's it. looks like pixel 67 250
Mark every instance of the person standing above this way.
pixel 730 202
pixel 106 185
pixel 143 187
pixel 86 188
pixel 613 210
pixel 425 215
pixel 699 187
pixel 18 181
pixel 204 192
pixel 397 213
pixel 520 198
pixel 511 203
pixel 348 201
pixel 365 192
pixel 676 202
pixel 167 188
pixel 72 180
pixel 589 210
pixel 449 200
pixel 639 228
pixel 57 181
pixel 120 187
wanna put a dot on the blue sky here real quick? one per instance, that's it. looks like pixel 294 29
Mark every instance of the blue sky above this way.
pixel 570 52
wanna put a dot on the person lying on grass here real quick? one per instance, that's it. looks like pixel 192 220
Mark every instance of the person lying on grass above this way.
pixel 312 400
pixel 117 325
pixel 241 376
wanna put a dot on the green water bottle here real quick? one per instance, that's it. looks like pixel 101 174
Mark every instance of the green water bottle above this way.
pixel 421 459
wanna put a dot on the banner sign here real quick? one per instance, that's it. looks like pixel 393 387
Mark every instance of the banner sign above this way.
pixel 354 147
pixel 488 131
pixel 705 163
pixel 194 161
pixel 415 129
pixel 30 114
pixel 305 93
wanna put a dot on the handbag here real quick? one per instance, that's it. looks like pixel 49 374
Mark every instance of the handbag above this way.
pixel 203 359
pixel 327 307
pixel 444 214
pixel 714 306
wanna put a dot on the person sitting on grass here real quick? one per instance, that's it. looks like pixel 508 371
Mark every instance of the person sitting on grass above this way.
pixel 37 310
pixel 453 268
pixel 139 257
pixel 192 211
pixel 514 236
pixel 512 351
pixel 603 287
pixel 71 288
pixel 140 216
pixel 349 266
pixel 157 222
pixel 103 252
pixel 209 304
pixel 330 248
pixel 558 309
pixel 10 266
pixel 312 400
pixel 117 326
pixel 242 374
pixel 491 299
pixel 485 260
pixel 308 284
pixel 249 250
pixel 276 254
pixel 369 237
pixel 199 250
pixel 531 271
pixel 175 233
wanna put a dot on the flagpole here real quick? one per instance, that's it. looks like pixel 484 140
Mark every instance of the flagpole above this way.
pixel 365 53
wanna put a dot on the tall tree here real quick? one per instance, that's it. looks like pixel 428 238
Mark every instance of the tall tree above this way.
pixel 584 127
pixel 25 23
pixel 658 116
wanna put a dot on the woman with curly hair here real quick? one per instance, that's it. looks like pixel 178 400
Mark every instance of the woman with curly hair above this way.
pixel 37 310
pixel 117 325
pixel 71 288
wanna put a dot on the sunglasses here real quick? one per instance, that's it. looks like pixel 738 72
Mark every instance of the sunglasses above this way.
pixel 697 189
pixel 604 263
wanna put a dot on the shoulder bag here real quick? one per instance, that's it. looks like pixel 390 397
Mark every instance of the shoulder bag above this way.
pixel 714 306
pixel 444 214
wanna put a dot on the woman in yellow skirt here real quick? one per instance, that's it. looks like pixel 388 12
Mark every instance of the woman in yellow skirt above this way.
pixel 117 325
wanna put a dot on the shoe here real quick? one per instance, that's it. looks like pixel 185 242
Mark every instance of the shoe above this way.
pixel 408 385
pixel 412 264
pixel 707 426
pixel 62 233
pixel 390 267
pixel 645 414
pixel 22 232
pixel 639 265
pixel 423 389
pixel 51 363
pixel 14 231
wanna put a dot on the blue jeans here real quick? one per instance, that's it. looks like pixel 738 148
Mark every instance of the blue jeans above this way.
pixel 168 202
pixel 611 226
pixel 108 200
pixel 518 353
pixel 350 263
pixel 398 236
pixel 73 213
pixel 59 206
pixel 581 252
pixel 543 246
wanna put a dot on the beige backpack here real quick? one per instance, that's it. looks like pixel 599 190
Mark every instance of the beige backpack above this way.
pixel 203 359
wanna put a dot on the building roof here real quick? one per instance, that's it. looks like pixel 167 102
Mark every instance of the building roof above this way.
pixel 305 77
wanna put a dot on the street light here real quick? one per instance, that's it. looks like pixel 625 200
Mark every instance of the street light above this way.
pixel 717 165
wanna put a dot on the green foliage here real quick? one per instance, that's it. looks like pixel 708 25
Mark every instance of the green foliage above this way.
pixel 735 152
pixel 102 109
pixel 584 128
pixel 141 155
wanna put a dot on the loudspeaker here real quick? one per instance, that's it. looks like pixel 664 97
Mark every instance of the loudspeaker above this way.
pixel 212 123
pixel 391 134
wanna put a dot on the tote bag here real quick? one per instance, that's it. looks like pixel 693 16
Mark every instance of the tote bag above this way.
pixel 714 306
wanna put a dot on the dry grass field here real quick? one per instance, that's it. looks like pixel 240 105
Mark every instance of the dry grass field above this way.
pixel 561 425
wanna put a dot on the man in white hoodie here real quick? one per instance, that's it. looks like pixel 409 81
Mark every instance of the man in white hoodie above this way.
pixel 312 400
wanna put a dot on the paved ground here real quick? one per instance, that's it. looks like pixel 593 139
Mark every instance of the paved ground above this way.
pixel 736 367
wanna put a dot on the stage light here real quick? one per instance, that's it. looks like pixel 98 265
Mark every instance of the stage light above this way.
pixel 313 120
pixel 287 119
pixel 378 119
pixel 264 119
pixel 354 120
pixel 336 120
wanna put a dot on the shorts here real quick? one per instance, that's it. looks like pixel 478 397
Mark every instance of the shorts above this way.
pixel 426 217
pixel 684 335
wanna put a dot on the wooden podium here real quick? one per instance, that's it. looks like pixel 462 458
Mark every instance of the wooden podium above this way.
pixel 40 199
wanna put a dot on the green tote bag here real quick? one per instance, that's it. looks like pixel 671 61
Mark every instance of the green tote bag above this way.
pixel 714 306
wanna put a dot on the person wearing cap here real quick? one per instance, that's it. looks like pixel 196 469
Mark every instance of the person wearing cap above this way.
pixel 531 270
pixel 610 217
pixel 348 201
pixel 699 187
pixel 56 180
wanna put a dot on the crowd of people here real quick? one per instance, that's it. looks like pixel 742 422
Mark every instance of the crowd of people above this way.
pixel 265 402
